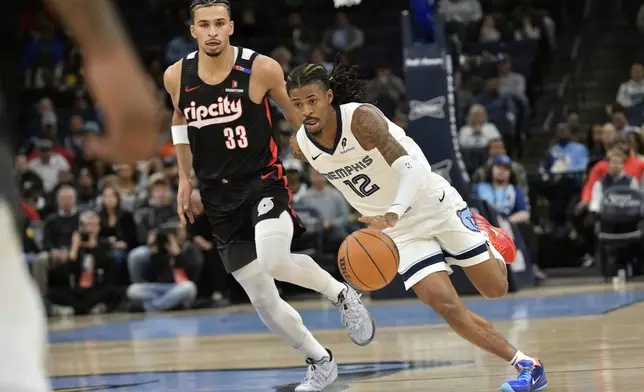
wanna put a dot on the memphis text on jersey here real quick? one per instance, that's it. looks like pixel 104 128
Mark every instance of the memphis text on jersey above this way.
pixel 349 170
pixel 221 112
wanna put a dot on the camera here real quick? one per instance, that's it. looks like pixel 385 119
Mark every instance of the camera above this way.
pixel 84 237
pixel 162 234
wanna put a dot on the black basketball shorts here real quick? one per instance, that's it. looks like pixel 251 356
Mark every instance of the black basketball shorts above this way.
pixel 234 211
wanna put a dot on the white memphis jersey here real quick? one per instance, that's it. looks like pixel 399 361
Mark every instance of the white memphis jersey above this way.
pixel 365 178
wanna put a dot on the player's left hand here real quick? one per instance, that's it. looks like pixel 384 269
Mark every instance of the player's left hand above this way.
pixel 380 222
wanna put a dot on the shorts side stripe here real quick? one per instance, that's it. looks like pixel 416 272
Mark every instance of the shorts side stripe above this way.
pixel 424 263
pixel 477 250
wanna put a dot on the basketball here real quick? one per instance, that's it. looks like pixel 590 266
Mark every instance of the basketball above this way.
pixel 368 259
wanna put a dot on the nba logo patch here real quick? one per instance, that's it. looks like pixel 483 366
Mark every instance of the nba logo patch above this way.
pixel 235 84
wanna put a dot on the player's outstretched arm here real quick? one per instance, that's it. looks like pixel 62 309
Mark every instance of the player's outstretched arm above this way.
pixel 372 131
pixel 295 148
pixel 116 79
pixel 273 77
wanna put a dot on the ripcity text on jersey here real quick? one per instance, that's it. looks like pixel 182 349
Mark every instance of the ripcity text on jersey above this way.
pixel 365 178
pixel 231 137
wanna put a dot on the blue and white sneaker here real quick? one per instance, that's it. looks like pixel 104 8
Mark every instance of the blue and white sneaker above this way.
pixel 531 378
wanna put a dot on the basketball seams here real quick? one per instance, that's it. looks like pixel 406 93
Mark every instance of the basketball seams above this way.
pixel 396 254
pixel 353 272
pixel 370 258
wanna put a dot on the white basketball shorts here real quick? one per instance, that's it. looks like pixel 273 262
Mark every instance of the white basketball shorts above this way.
pixel 436 235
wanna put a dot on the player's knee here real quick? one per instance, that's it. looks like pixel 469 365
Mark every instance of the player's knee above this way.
pixel 496 289
pixel 272 241
pixel 445 304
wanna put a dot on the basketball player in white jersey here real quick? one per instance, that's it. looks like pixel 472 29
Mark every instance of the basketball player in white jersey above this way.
pixel 385 176
pixel 119 83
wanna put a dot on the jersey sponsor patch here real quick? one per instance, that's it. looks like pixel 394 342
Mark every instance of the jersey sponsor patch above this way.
pixel 468 220
pixel 265 206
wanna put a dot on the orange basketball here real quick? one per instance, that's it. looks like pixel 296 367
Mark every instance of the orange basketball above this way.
pixel 368 259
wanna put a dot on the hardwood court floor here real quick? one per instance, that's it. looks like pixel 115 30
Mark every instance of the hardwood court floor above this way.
pixel 589 338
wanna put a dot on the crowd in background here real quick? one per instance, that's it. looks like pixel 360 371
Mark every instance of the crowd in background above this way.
pixel 97 236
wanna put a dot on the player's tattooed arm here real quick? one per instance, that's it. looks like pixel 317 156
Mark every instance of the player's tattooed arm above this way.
pixel 295 148
pixel 372 131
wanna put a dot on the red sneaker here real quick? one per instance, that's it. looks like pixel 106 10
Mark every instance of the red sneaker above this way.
pixel 500 239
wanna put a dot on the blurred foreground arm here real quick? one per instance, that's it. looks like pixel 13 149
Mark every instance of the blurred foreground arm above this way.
pixel 116 79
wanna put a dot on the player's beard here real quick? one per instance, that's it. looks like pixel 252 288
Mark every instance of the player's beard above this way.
pixel 214 53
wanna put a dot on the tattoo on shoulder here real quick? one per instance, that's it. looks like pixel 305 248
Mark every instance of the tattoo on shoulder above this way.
pixel 372 131
pixel 295 148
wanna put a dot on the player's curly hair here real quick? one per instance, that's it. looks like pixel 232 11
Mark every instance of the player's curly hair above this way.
pixel 343 81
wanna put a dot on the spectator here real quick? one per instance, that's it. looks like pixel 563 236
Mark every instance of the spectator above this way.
pixel 285 133
pixel 567 156
pixel 489 32
pixel 631 92
pixel 343 36
pixel 294 169
pixel 633 166
pixel 478 132
pixel 621 123
pixel 148 219
pixel 283 57
pixel 577 133
pixel 117 225
pixel 247 26
pixel 497 148
pixel 126 184
pixel 464 11
pixel 500 109
pixel 317 57
pixel 27 178
pixel 92 283
pixel 166 284
pixel 57 237
pixel 181 45
pixel 86 189
pixel 331 205
pixel 43 60
pixel 503 193
pixel 614 176
pixel 512 83
pixel 387 90
pixel 300 37
pixel 48 164
pixel 636 141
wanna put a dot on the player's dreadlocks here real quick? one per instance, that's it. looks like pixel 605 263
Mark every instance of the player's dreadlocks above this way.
pixel 343 81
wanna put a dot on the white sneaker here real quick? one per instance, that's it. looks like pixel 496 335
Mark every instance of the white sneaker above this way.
pixel 320 375
pixel 355 317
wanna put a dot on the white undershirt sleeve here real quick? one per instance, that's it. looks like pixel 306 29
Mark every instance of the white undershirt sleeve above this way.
pixel 410 172
pixel 180 134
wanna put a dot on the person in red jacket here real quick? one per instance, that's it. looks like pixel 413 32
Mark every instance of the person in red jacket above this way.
pixel 633 166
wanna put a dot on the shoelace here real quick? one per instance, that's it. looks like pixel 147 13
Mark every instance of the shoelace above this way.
pixel 313 376
pixel 525 374
pixel 349 317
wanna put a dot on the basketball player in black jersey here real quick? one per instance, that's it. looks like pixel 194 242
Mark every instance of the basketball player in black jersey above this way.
pixel 222 128
pixel 119 84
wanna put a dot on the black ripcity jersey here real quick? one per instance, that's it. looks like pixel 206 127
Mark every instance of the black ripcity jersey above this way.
pixel 231 137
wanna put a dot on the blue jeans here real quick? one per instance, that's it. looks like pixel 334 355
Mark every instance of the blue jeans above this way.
pixel 162 296
pixel 136 263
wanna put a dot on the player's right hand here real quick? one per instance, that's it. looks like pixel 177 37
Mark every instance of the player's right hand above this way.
pixel 184 202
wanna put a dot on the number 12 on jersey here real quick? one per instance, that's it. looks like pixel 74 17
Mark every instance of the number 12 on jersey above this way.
pixel 236 138
pixel 361 185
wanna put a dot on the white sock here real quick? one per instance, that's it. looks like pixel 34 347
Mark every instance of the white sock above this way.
pixel 311 348
pixel 333 289
pixel 518 357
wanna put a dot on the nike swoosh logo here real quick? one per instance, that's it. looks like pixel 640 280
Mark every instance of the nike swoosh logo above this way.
pixel 188 89
pixel 442 197
pixel 317 156
pixel 536 380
